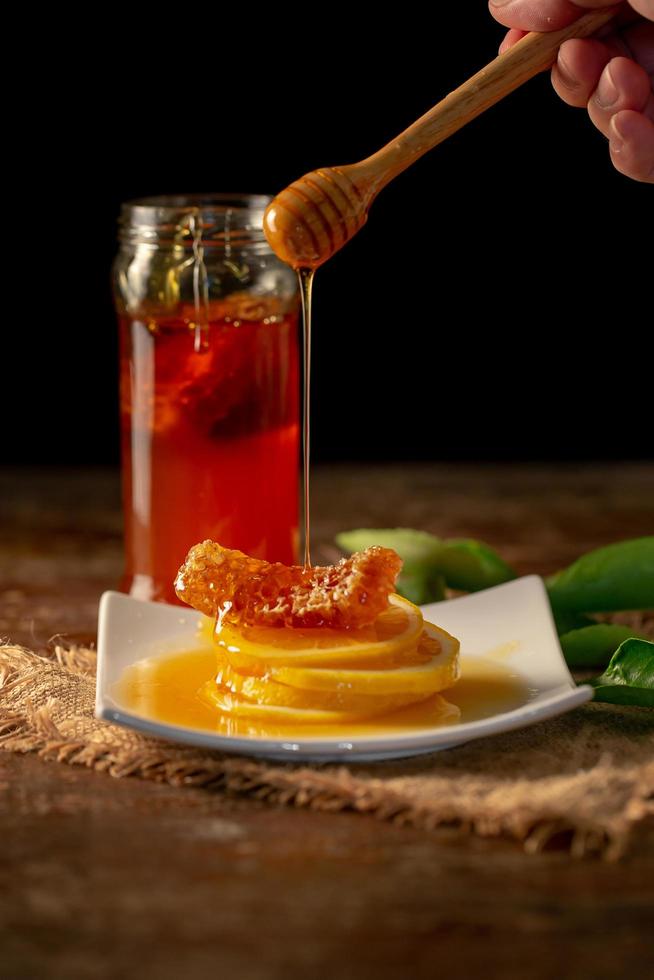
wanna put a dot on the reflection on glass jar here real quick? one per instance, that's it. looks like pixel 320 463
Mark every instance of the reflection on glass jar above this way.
pixel 209 386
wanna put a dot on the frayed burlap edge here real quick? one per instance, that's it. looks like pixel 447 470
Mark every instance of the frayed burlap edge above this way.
pixel 34 730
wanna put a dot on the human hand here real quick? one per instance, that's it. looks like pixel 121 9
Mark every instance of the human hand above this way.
pixel 612 76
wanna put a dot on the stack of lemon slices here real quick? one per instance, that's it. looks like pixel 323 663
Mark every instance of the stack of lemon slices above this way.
pixel 324 676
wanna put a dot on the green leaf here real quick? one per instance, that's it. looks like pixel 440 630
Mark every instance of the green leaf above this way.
pixel 471 565
pixel 566 622
pixel 618 694
pixel 629 678
pixel 415 548
pixel 420 580
pixel 593 646
pixel 421 589
pixel 620 576
pixel 464 564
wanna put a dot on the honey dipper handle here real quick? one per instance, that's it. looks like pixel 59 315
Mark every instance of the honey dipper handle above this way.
pixel 533 54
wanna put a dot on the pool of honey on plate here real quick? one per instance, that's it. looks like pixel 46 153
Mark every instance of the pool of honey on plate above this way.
pixel 165 688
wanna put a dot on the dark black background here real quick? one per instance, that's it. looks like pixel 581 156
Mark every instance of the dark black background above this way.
pixel 497 304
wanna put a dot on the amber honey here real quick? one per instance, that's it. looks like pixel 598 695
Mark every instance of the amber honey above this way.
pixel 210 433
pixel 166 688
pixel 209 380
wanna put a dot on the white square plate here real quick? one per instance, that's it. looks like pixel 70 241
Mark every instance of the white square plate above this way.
pixel 515 617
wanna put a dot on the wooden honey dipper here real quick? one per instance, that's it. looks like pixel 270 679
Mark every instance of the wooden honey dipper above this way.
pixel 317 214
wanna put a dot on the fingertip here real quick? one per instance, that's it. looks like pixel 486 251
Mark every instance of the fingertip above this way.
pixel 623 85
pixel 566 85
pixel 577 70
pixel 630 81
pixel 631 145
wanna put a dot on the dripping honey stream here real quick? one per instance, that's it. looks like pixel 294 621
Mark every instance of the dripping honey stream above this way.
pixel 305 279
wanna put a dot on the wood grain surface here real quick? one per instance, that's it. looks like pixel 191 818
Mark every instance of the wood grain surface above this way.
pixel 104 878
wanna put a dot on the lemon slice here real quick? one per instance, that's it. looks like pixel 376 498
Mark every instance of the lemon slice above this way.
pixel 255 649
pixel 263 690
pixel 440 671
pixel 440 710
pixel 230 704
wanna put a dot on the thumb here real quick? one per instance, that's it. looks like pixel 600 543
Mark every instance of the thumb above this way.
pixel 543 15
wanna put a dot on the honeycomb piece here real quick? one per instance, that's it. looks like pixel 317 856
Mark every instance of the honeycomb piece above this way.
pixel 252 592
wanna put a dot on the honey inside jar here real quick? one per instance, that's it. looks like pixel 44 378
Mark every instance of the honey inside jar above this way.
pixel 209 385
pixel 210 436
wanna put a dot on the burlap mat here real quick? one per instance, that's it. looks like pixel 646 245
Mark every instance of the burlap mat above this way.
pixel 585 779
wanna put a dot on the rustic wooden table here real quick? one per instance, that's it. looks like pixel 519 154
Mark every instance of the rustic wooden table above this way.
pixel 105 878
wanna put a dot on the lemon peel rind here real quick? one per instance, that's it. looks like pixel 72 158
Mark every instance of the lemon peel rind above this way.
pixel 245 654
pixel 438 674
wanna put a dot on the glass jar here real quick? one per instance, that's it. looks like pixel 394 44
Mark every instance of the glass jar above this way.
pixel 209 385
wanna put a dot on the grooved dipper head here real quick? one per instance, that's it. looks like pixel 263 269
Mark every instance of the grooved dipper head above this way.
pixel 314 217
